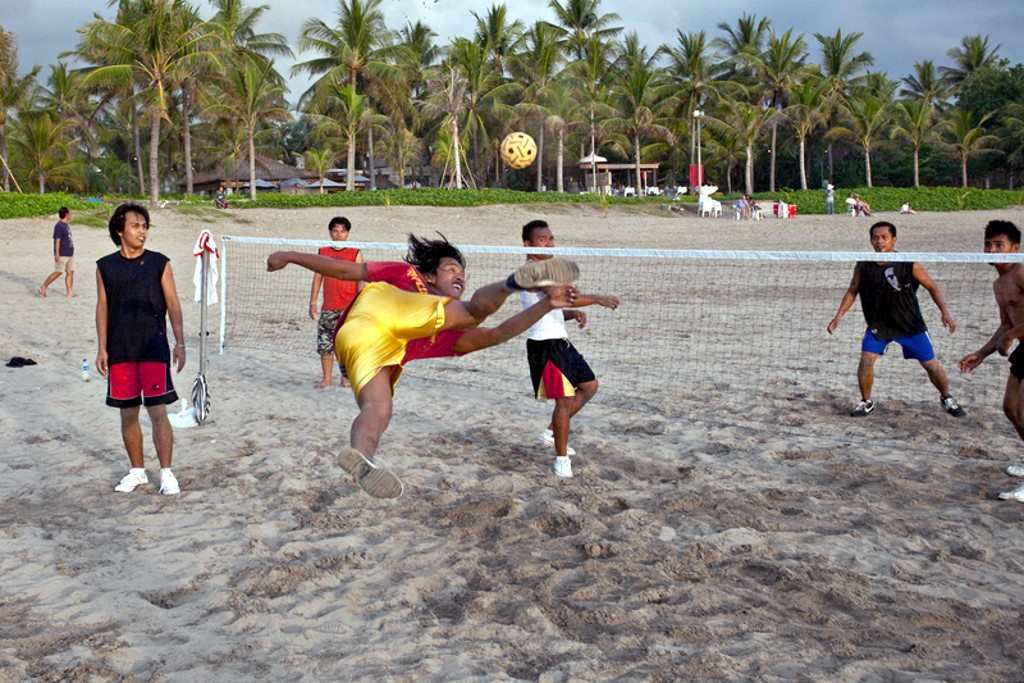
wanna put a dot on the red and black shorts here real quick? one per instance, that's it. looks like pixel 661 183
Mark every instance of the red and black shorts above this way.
pixel 136 383
pixel 556 368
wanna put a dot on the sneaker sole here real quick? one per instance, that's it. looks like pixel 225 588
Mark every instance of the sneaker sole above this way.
pixel 371 478
pixel 547 273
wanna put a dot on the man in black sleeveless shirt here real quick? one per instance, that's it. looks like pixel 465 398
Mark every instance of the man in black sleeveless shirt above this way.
pixel 135 296
pixel 888 295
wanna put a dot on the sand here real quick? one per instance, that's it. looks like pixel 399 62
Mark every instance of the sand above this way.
pixel 724 539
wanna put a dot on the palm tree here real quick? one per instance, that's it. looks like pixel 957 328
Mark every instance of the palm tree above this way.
pixel 590 75
pixel 151 43
pixel 357 51
pixel 868 115
pixel 236 24
pixel 43 142
pixel 965 136
pixel 402 149
pixel 343 111
pixel 727 148
pixel 319 161
pixel 535 66
pixel 563 114
pixel 914 123
pixel 746 121
pixel 972 54
pixel 926 84
pixel 698 77
pixel 637 94
pixel 448 102
pixel 806 111
pixel 578 21
pixel 417 53
pixel 250 94
pixel 741 43
pixel 1013 134
pixel 779 68
pixel 500 37
pixel 14 94
pixel 840 65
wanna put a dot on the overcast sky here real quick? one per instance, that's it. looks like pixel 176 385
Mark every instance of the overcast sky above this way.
pixel 896 33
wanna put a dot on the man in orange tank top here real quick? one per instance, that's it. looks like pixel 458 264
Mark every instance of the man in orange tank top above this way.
pixel 338 296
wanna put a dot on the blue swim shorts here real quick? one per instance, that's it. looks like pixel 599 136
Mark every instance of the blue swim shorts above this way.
pixel 916 346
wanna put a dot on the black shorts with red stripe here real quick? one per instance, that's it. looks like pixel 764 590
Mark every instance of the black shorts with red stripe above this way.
pixel 135 383
pixel 556 368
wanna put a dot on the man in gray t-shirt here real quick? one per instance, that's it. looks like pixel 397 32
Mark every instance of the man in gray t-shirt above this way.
pixel 63 254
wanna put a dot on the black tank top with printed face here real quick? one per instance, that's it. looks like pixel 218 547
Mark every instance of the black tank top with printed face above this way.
pixel 136 308
pixel 888 295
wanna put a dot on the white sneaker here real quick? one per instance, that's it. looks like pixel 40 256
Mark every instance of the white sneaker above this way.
pixel 136 477
pixel 1015 470
pixel 563 467
pixel 169 483
pixel 1017 494
pixel 548 437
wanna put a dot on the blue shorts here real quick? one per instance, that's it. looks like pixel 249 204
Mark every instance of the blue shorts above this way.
pixel 916 346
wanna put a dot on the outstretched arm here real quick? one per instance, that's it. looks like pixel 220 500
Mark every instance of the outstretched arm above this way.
pixel 582 300
pixel 483 337
pixel 847 302
pixel 342 270
pixel 921 275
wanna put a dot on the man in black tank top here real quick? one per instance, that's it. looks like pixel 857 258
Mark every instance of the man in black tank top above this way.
pixel 135 297
pixel 888 296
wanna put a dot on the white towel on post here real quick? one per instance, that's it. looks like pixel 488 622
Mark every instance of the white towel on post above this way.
pixel 203 243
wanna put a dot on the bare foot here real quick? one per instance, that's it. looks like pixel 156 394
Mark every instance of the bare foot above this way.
pixel 344 382
pixel 71 294
pixel 323 384
pixel 41 292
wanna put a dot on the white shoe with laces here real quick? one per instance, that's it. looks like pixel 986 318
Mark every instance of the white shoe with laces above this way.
pixel 548 437
pixel 1015 470
pixel 563 467
pixel 1017 494
pixel 169 483
pixel 136 477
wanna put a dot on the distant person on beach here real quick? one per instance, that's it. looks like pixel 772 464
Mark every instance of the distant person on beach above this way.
pixel 905 210
pixel 1003 237
pixel 397 307
pixel 888 295
pixel 135 295
pixel 63 255
pixel 220 199
pixel 558 371
pixel 338 295
pixel 830 198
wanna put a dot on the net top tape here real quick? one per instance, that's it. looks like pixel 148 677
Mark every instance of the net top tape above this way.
pixel 684 254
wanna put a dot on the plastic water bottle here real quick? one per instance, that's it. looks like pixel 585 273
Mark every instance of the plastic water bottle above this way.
pixel 85 369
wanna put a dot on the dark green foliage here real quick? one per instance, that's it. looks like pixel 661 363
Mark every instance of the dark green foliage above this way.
pixel 16 205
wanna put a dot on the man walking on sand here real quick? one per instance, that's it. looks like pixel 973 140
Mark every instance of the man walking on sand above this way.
pixel 63 255
pixel 135 296
pixel 888 295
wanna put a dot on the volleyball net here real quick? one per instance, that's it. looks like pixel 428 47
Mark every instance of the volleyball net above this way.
pixel 690 323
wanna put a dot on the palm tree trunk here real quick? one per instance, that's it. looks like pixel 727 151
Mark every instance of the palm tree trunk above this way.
pixel 42 183
pixel 540 158
pixel 771 168
pixel 561 160
pixel 636 165
pixel 917 166
pixel 3 154
pixel 593 152
pixel 350 172
pixel 186 132
pixel 369 146
pixel 252 162
pixel 749 173
pixel 803 165
pixel 458 154
pixel 728 178
pixel 137 147
pixel 867 165
pixel 963 168
pixel 154 156
pixel 831 170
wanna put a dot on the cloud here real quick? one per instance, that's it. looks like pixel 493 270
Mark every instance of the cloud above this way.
pixel 897 34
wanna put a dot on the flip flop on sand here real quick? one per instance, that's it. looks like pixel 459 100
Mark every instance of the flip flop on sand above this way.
pixel 370 476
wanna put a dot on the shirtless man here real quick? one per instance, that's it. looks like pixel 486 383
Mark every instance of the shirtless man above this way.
pixel 1003 237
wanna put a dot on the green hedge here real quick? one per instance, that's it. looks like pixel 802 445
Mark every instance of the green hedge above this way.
pixel 17 205
pixel 891 198
pixel 428 197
